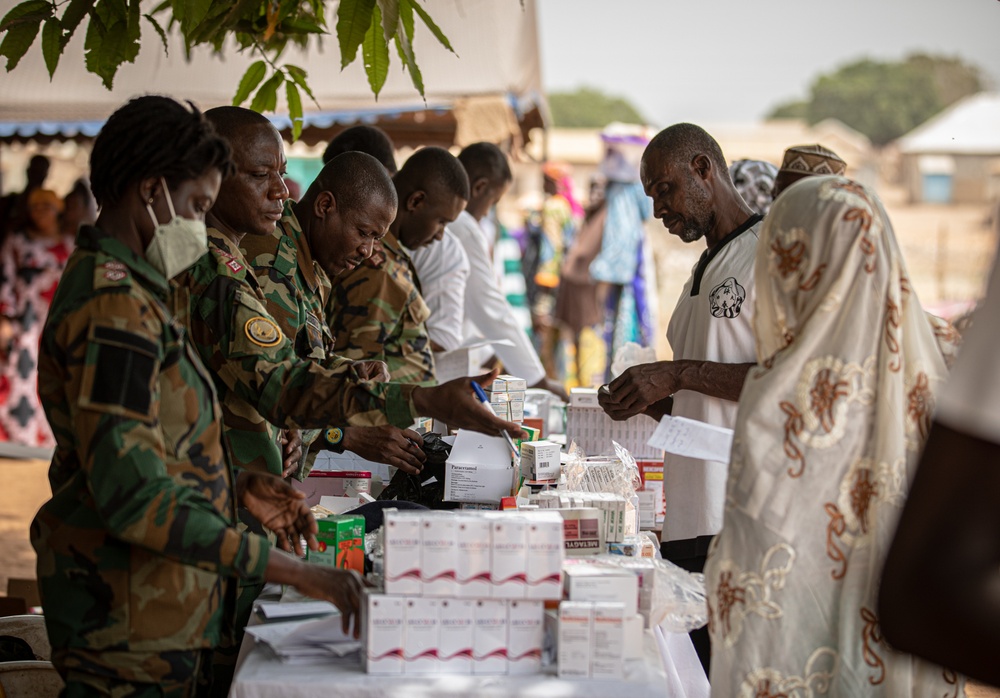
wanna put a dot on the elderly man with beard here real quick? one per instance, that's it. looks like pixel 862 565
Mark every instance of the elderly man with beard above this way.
pixel 684 171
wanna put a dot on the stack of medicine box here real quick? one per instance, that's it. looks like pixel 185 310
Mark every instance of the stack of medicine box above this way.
pixel 507 397
pixel 613 509
pixel 464 593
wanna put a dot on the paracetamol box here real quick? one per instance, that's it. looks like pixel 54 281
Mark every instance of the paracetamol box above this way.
pixel 473 577
pixel 608 641
pixel 421 621
pixel 545 556
pixel 438 555
pixel 575 623
pixel 402 553
pixel 383 627
pixel 456 635
pixel 600 583
pixel 509 556
pixel 489 641
pixel 540 460
pixel 525 634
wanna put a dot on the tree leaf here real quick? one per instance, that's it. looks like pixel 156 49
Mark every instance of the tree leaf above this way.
pixel 435 30
pixel 255 73
pixel 159 30
pixel 406 18
pixel 74 14
pixel 21 31
pixel 390 18
pixel 195 11
pixel 294 109
pixel 405 49
pixel 353 19
pixel 52 45
pixel 266 98
pixel 106 48
pixel 375 51
pixel 133 32
pixel 299 76
pixel 26 13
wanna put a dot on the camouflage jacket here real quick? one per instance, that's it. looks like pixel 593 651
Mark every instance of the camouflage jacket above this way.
pixel 376 312
pixel 295 287
pixel 253 362
pixel 139 529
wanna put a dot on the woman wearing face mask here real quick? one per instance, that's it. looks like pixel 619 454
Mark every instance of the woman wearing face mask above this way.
pixel 136 547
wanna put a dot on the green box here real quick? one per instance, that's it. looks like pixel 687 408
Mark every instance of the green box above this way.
pixel 341 542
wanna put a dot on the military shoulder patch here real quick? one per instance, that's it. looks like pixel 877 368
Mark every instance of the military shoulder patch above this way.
pixel 263 332
pixel 111 273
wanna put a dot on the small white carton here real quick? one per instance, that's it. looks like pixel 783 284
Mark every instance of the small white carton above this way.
pixel 383 627
pixel 583 397
pixel 634 635
pixel 515 410
pixel 480 469
pixel 509 556
pixel 489 641
pixel 525 634
pixel 421 621
pixel 402 553
pixel 582 530
pixel 608 641
pixel 438 555
pixel 473 569
pixel 508 384
pixel 457 630
pixel 575 625
pixel 540 460
pixel 602 583
pixel 545 556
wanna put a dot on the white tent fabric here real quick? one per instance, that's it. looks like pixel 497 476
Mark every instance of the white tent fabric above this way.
pixel 496 42
pixel 971 126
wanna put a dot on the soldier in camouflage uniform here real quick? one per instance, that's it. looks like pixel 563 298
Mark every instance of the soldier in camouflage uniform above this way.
pixel 137 542
pixel 345 211
pixel 376 310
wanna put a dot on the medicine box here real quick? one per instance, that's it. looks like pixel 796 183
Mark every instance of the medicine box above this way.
pixel 600 583
pixel 456 633
pixel 509 557
pixel 508 384
pixel 575 625
pixel 525 633
pixel 608 641
pixel 341 541
pixel 438 555
pixel 402 553
pixel 383 634
pixel 540 460
pixel 545 556
pixel 489 642
pixel 421 621
pixel 473 567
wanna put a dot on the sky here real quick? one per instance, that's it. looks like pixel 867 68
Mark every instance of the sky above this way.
pixel 721 61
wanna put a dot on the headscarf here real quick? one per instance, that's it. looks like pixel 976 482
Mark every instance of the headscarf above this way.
pixel 754 180
pixel 829 429
pixel 561 174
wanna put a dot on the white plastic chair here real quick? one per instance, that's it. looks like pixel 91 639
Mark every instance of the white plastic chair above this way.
pixel 31 629
pixel 29 680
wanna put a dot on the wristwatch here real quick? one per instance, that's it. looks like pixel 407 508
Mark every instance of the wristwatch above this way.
pixel 334 437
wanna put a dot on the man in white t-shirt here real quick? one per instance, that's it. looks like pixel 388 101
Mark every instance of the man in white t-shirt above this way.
pixel 685 173
pixel 486 311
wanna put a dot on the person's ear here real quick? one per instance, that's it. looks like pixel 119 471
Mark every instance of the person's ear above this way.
pixel 416 200
pixel 148 188
pixel 479 187
pixel 702 166
pixel 324 204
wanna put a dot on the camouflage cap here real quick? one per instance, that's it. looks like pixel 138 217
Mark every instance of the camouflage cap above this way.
pixel 812 160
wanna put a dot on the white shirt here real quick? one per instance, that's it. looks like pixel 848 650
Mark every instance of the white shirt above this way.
pixel 488 314
pixel 970 400
pixel 715 324
pixel 443 270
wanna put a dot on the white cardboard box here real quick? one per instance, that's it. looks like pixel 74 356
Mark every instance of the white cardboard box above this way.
pixel 421 620
pixel 383 640
pixel 438 555
pixel 473 571
pixel 540 460
pixel 402 553
pixel 457 630
pixel 509 556
pixel 575 625
pixel 545 556
pixel 479 469
pixel 607 650
pixel 508 384
pixel 489 642
pixel 599 583
pixel 525 633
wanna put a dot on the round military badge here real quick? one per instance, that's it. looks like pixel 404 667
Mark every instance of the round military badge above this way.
pixel 263 332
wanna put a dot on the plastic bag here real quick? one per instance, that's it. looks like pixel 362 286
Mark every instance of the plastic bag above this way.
pixel 629 355
pixel 669 596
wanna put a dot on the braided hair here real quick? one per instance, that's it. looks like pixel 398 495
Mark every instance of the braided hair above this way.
pixel 154 136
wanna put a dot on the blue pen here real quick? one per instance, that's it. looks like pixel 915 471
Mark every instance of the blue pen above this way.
pixel 481 394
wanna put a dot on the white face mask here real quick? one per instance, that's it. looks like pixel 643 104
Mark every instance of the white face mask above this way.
pixel 175 245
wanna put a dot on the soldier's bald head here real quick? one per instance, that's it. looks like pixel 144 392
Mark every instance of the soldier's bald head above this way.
pixel 435 171
pixel 236 123
pixel 356 180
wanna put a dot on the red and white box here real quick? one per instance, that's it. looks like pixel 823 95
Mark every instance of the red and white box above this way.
pixel 525 634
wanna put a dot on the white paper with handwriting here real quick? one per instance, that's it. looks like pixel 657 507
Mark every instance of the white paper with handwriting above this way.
pixel 693 439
